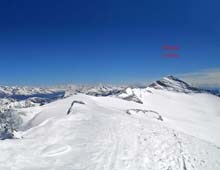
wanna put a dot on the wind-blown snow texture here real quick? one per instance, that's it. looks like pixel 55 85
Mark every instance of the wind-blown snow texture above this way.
pixel 168 130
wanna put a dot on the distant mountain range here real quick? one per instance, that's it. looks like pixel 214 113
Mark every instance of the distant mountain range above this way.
pixel 15 96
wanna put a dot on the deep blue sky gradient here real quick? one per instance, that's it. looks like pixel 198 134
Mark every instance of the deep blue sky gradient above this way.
pixel 105 41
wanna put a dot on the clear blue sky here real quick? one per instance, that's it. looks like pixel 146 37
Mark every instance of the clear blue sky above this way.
pixel 108 41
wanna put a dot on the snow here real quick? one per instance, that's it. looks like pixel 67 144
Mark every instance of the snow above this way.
pixel 190 113
pixel 101 135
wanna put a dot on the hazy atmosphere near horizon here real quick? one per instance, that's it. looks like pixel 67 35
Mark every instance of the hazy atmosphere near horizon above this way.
pixel 118 41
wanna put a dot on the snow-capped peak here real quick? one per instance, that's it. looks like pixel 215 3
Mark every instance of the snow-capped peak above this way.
pixel 172 83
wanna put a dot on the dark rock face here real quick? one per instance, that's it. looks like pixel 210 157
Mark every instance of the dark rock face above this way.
pixel 148 113
pixel 104 93
pixel 72 104
pixel 133 98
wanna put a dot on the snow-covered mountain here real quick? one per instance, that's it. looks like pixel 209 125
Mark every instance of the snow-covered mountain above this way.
pixel 23 90
pixel 93 90
pixel 169 83
pixel 19 97
pixel 101 90
pixel 171 126
pixel 172 83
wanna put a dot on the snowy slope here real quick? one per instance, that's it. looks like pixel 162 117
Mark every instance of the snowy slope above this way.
pixel 101 135
pixel 190 113
pixel 170 129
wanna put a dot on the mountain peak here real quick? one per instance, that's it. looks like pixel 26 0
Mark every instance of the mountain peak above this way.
pixel 172 83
